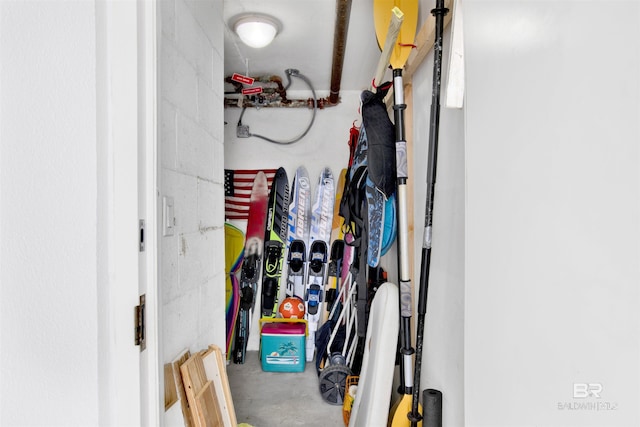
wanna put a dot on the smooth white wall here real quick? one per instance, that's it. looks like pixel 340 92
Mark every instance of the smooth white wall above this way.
pixel 192 172
pixel 443 351
pixel 48 203
pixel 552 212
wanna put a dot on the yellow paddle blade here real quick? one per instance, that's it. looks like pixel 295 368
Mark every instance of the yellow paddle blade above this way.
pixel 233 247
pixel 400 410
pixel 382 10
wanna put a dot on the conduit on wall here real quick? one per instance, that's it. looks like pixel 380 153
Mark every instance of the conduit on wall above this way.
pixel 242 131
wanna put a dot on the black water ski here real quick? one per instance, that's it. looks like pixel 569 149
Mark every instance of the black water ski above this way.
pixel 249 280
pixel 274 246
pixel 334 271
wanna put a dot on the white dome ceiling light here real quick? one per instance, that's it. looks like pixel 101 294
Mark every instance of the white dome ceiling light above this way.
pixel 256 30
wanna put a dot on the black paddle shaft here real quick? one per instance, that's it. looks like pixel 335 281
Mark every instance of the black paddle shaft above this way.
pixel 439 12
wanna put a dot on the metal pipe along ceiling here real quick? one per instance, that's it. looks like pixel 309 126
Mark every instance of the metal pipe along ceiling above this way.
pixel 343 12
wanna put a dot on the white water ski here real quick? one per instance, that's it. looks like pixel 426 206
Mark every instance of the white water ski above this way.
pixel 298 238
pixel 320 235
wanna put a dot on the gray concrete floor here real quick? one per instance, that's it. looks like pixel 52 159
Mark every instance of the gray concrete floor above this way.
pixel 273 399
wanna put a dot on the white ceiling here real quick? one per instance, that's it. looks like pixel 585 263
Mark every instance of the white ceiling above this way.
pixel 305 42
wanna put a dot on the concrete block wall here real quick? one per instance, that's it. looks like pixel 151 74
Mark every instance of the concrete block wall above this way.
pixel 191 151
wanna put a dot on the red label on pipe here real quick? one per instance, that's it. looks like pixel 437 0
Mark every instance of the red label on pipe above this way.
pixel 242 79
pixel 252 90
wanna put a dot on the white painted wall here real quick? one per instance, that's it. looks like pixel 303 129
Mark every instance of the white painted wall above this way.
pixel 192 172
pixel 443 351
pixel 552 212
pixel 48 204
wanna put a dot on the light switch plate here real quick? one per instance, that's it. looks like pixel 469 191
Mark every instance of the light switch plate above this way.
pixel 168 216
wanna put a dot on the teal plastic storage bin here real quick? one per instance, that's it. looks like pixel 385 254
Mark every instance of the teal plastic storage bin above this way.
pixel 283 345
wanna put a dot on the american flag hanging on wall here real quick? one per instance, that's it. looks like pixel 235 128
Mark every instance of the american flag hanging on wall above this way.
pixel 237 190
